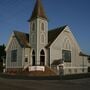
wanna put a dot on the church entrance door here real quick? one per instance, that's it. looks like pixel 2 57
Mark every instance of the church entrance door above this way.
pixel 42 58
pixel 33 58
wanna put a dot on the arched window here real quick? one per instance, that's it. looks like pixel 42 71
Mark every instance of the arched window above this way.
pixel 33 53
pixel 42 26
pixel 33 58
pixel 66 52
pixel 42 58
pixel 42 52
pixel 66 44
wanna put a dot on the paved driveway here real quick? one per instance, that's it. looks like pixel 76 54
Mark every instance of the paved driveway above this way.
pixel 10 84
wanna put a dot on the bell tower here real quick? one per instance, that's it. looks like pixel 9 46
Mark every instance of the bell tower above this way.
pixel 38 36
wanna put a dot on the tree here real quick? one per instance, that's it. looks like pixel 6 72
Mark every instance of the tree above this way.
pixel 2 54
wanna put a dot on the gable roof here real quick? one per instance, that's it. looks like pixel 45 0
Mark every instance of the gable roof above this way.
pixel 38 11
pixel 53 34
pixel 23 38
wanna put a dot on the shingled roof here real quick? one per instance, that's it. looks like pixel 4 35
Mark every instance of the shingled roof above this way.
pixel 53 34
pixel 83 54
pixel 57 62
pixel 23 38
pixel 38 11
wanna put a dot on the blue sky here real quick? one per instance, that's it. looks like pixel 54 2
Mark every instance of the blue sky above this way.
pixel 75 13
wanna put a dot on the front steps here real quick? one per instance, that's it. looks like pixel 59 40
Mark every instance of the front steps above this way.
pixel 46 72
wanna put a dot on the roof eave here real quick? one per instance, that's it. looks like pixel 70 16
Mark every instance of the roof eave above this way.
pixel 83 54
pixel 31 19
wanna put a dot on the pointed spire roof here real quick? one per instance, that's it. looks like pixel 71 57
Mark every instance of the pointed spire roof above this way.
pixel 38 11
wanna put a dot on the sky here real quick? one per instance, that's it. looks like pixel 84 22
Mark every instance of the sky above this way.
pixel 74 13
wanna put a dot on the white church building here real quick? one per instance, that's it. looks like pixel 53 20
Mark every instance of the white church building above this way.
pixel 41 49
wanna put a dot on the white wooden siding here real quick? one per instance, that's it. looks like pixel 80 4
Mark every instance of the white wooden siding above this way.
pixel 12 46
pixel 59 44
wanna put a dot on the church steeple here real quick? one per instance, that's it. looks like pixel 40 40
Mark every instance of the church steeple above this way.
pixel 38 11
pixel 38 36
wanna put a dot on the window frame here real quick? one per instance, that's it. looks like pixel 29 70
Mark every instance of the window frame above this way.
pixel 42 26
pixel 26 59
pixel 42 57
pixel 66 54
pixel 33 26
pixel 14 56
pixel 33 58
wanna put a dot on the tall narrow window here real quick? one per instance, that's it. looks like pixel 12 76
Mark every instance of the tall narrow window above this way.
pixel 13 55
pixel 33 58
pixel 66 44
pixel 42 58
pixel 42 26
pixel 33 27
pixel 26 59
